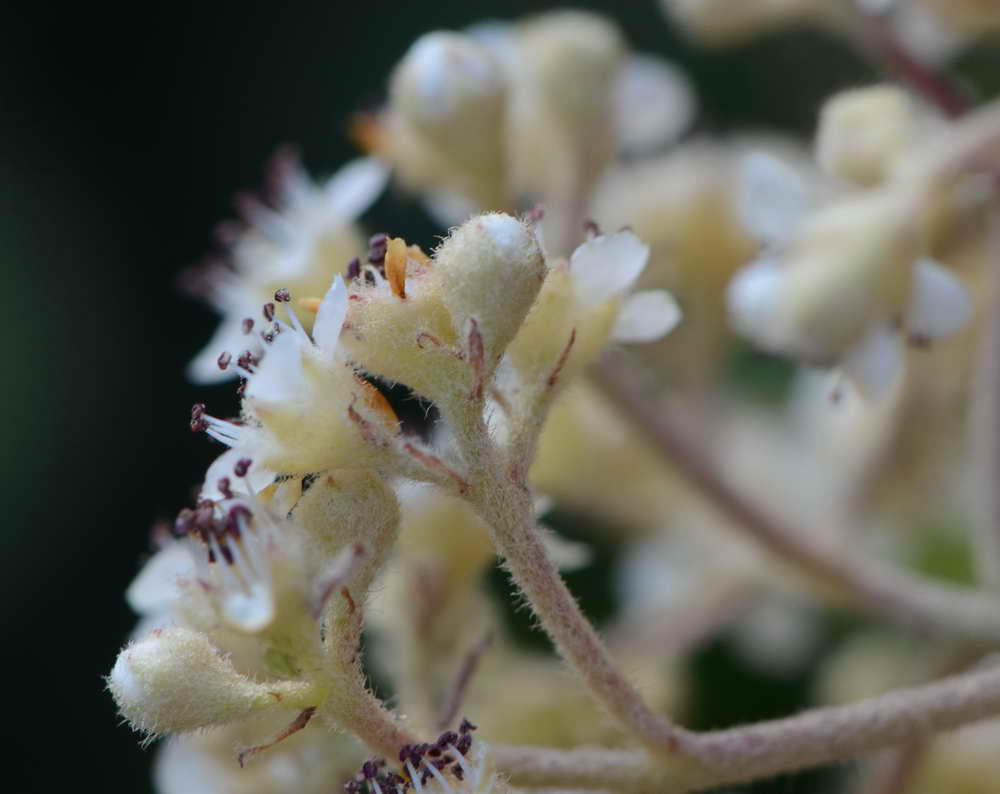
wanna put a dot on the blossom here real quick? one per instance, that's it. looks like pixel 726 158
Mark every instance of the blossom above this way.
pixel 289 424
pixel 299 244
pixel 840 285
pixel 587 302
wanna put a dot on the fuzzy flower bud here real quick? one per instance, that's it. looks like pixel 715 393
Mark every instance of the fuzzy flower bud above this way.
pixel 448 99
pixel 174 681
pixel 576 58
pixel 489 272
pixel 863 132
pixel 850 264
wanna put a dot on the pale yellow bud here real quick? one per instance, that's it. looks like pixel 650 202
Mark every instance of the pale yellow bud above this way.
pixel 575 58
pixel 489 272
pixel 849 267
pixel 175 681
pixel 345 507
pixel 863 132
pixel 448 99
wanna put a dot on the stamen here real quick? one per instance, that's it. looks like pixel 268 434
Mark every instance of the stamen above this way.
pixel 242 467
pixel 282 296
pixel 268 312
pixel 247 325
pixel 223 486
pixel 224 359
pixel 395 266
pixel 437 775
pixel 353 269
pixel 198 421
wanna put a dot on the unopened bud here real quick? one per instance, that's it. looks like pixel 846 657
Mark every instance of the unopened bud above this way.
pixel 490 271
pixel 175 681
pixel 863 132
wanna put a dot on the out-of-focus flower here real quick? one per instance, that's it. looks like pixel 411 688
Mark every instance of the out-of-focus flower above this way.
pixel 838 284
pixel 297 240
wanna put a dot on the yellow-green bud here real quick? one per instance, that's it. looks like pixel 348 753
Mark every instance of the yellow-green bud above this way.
pixel 175 681
pixel 489 272
pixel 863 132
pixel 575 58
pixel 448 100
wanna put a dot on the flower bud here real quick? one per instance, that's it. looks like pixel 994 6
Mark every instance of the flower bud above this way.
pixel 345 507
pixel 575 58
pixel 448 98
pixel 863 132
pixel 850 265
pixel 489 272
pixel 174 681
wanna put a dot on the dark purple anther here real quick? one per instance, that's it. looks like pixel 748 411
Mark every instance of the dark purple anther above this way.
pixel 241 467
pixel 247 324
pixel 268 311
pixel 353 269
pixel 282 295
pixel 224 359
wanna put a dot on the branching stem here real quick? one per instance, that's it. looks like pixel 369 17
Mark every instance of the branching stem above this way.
pixel 874 586
pixel 815 737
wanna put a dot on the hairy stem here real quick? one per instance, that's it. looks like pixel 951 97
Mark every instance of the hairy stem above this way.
pixel 879 44
pixel 501 498
pixel 874 586
pixel 985 440
pixel 740 754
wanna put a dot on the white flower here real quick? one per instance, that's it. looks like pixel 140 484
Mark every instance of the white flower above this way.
pixel 841 283
pixel 298 246
pixel 300 398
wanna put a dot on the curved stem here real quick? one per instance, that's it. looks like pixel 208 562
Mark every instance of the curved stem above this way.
pixel 499 495
pixel 741 754
pixel 985 438
pixel 876 587
pixel 877 41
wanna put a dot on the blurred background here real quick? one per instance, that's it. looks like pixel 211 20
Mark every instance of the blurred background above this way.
pixel 123 138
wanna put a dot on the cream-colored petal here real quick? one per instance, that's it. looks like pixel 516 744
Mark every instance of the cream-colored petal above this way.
pixel 607 265
pixel 647 316
pixel 874 363
pixel 654 104
pixel 330 317
pixel 353 189
pixel 156 587
pixel 939 304
pixel 771 197
pixel 752 299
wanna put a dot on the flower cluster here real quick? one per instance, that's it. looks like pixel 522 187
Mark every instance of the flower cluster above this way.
pixel 333 539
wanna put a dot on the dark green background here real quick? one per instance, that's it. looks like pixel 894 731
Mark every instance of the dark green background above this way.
pixel 123 135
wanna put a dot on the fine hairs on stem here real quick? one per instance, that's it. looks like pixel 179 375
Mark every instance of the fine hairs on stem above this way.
pixel 337 529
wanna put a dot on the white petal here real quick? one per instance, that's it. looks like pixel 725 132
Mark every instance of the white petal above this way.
pixel 449 208
pixel 752 299
pixel 874 363
pixel 607 265
pixel 354 188
pixel 647 316
pixel 771 197
pixel 654 104
pixel 330 317
pixel 185 765
pixel 229 337
pixel 568 555
pixel 251 608
pixel 257 477
pixel 939 305
pixel 279 376
pixel 155 588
